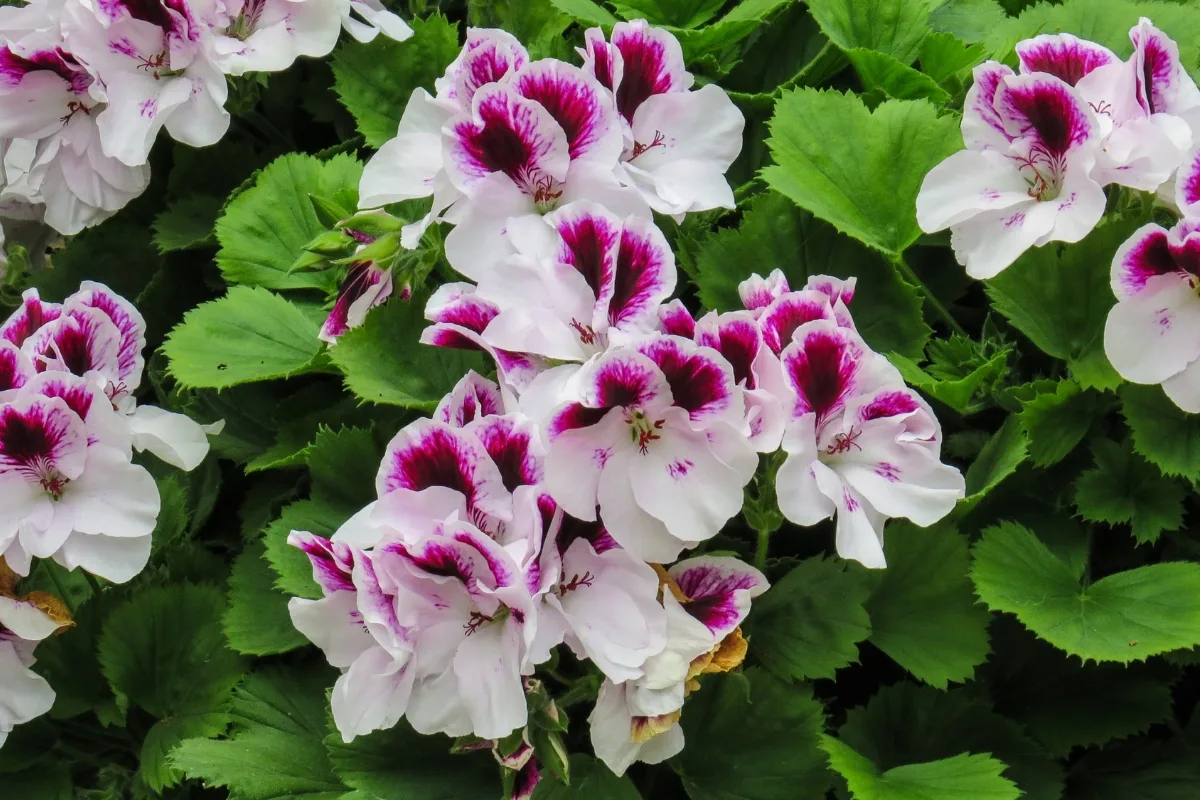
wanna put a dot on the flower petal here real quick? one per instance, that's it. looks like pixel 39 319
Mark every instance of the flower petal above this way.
pixel 788 313
pixel 701 380
pixel 1064 56
pixel 651 64
pixel 758 292
pixel 578 103
pixel 822 367
pixel 129 322
pixel 472 398
pixel 29 318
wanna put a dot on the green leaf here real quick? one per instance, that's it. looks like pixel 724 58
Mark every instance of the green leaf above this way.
pixel 1001 456
pixel 893 27
pixel 174 513
pixel 963 393
pixel 265 228
pixel 884 74
pixel 1055 422
pixel 248 335
pixel 187 224
pixel 907 723
pixel 586 11
pixel 887 311
pixel 119 254
pixel 809 624
pixel 944 56
pixel 384 362
pixel 590 780
pixel 1124 489
pixel 400 764
pixel 1137 769
pixel 257 620
pixel 277 752
pixel 1064 704
pixel 68 661
pixel 923 610
pixel 40 783
pixel 290 564
pixel 375 80
pixel 1059 295
pixel 1167 436
pixel 343 465
pixel 776 758
pixel 970 20
pixel 1125 617
pixel 678 13
pixel 855 168
pixel 164 650
pixel 964 777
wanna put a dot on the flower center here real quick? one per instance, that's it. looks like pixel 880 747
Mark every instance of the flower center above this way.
pixel 643 430
pixel 576 582
pixel 844 442
pixel 641 147
pixel 1043 171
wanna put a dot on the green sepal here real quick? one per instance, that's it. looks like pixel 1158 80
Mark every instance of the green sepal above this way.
pixel 372 223
pixel 551 753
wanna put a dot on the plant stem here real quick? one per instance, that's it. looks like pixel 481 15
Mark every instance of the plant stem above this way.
pixel 760 552
pixel 92 582
pixel 911 276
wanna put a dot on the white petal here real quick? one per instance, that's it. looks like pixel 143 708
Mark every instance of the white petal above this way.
pixel 176 439
pixel 1157 334
pixel 488 668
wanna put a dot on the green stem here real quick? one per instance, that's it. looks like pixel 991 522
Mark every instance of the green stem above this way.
pixel 78 755
pixel 764 544
pixel 62 592
pixel 911 276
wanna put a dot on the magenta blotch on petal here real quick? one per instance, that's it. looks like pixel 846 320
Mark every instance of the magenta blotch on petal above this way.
pixel 27 319
pixel 1064 56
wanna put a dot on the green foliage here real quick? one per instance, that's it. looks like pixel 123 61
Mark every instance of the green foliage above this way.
pixel 963 777
pixel 1055 422
pixel 164 651
pixel 384 362
pixel 775 759
pixel 257 620
pixel 1166 436
pixel 923 611
pixel 856 168
pixel 265 227
pixel 1125 617
pixel 248 335
pixel 187 224
pixel 892 27
pixel 590 780
pixel 809 624
pixel 374 79
pixel 276 751
pixel 1123 489
pixel 399 764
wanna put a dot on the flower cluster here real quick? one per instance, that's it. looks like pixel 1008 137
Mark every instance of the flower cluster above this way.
pixel 505 139
pixel 86 86
pixel 543 508
pixel 69 424
pixel 1043 142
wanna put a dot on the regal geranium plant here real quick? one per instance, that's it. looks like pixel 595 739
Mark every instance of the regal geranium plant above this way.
pixel 558 399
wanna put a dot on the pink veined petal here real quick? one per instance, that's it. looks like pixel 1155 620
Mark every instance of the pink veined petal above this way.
pixel 82 341
pixel 858 533
pixel 509 134
pixel 578 103
pixel 800 498
pixel 822 367
pixel 129 322
pixel 43 441
pixel 989 243
pixel 1187 185
pixel 679 481
pixel 489 55
pixel 1144 255
pixel 364 287
pixel 1064 56
pixel 788 313
pixel 719 590
pixel 472 398
pixel 15 367
pixel 644 276
pixel 643 534
pixel 589 236
pixel 29 318
pixel 1047 111
pixel 1155 335
pixel 577 458
pixel 651 64
pixel 458 304
pixel 428 453
pixel 27 621
pixel 836 288
pixel 982 125
pixel 736 336
pixel 758 293
pixel 623 379
pixel 514 445
pixel 600 59
pixel 701 380
pixel 1163 84
pixel 674 319
pixel 332 562
pixel 488 668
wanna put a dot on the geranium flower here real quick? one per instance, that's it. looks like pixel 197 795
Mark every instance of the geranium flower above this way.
pixel 46 101
pixel 705 600
pixel 1024 179
pixel 364 287
pixel 651 435
pixel 581 278
pixel 1153 332
pixel 678 143
pixel 859 444
pixel 269 35
pixel 359 629
pixel 156 69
